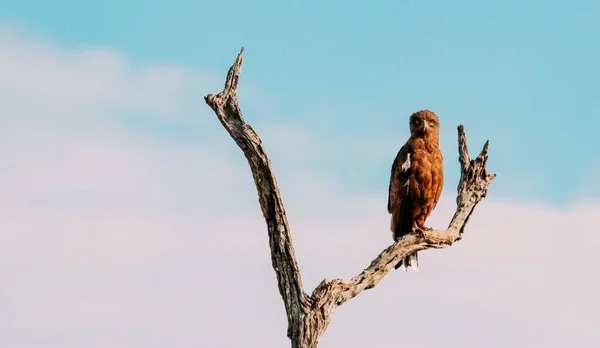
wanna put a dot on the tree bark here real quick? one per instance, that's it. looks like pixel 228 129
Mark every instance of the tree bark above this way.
pixel 309 316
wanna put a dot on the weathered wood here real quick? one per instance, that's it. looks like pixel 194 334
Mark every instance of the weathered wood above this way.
pixel 309 316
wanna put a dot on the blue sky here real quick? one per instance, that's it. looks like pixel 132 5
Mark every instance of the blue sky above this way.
pixel 522 73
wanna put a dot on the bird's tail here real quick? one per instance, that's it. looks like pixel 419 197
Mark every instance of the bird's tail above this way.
pixel 411 261
pixel 400 227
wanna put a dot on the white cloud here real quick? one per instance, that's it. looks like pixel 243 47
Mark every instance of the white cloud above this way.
pixel 111 236
pixel 91 78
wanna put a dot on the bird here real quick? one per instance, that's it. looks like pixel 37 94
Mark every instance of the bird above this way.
pixel 416 181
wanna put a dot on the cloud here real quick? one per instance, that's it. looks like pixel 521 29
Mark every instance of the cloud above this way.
pixel 115 233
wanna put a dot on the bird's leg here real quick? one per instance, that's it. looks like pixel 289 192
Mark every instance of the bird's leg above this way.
pixel 417 229
pixel 421 229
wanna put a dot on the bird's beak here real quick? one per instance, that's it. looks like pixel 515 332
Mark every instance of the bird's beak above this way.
pixel 424 125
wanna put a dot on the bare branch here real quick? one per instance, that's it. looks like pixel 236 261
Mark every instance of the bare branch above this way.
pixel 308 317
pixel 472 189
pixel 225 105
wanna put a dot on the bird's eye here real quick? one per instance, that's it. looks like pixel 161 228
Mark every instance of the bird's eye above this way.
pixel 417 122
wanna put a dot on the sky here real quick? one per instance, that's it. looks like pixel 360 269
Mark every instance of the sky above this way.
pixel 129 218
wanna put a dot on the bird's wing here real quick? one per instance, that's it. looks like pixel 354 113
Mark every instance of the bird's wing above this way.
pixel 399 178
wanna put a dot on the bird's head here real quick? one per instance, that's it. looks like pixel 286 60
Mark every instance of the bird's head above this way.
pixel 424 124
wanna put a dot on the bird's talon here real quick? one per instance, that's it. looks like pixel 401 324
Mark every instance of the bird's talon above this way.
pixel 423 230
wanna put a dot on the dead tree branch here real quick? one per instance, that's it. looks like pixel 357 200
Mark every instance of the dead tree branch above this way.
pixel 309 316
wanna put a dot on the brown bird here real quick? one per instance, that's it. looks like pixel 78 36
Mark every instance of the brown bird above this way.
pixel 416 181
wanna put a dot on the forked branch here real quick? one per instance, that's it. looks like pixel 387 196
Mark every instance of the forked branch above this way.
pixel 309 316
